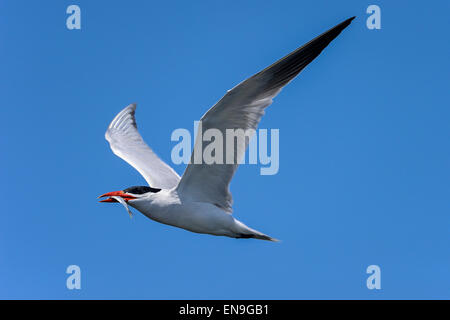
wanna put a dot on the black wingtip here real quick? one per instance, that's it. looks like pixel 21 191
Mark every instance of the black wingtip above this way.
pixel 349 20
pixel 345 23
pixel 338 28
pixel 284 70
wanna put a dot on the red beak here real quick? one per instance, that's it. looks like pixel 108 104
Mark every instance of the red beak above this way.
pixel 121 194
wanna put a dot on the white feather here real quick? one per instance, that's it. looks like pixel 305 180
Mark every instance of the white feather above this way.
pixel 126 142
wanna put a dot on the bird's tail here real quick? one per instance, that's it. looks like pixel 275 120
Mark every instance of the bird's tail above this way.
pixel 265 237
pixel 258 235
pixel 249 233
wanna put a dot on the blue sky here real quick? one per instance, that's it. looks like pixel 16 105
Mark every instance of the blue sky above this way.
pixel 364 157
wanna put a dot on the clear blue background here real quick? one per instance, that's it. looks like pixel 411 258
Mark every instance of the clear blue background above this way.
pixel 364 149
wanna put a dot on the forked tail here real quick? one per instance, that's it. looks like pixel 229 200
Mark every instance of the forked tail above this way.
pixel 257 236
pixel 249 233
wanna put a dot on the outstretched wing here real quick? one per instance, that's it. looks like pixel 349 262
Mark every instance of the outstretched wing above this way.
pixel 242 108
pixel 126 142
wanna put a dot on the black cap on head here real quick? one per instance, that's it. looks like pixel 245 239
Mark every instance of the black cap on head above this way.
pixel 141 190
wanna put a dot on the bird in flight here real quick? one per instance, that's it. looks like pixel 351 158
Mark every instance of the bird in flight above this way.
pixel 200 201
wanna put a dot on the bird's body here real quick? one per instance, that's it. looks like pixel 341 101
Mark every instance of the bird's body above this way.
pixel 171 208
pixel 200 200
